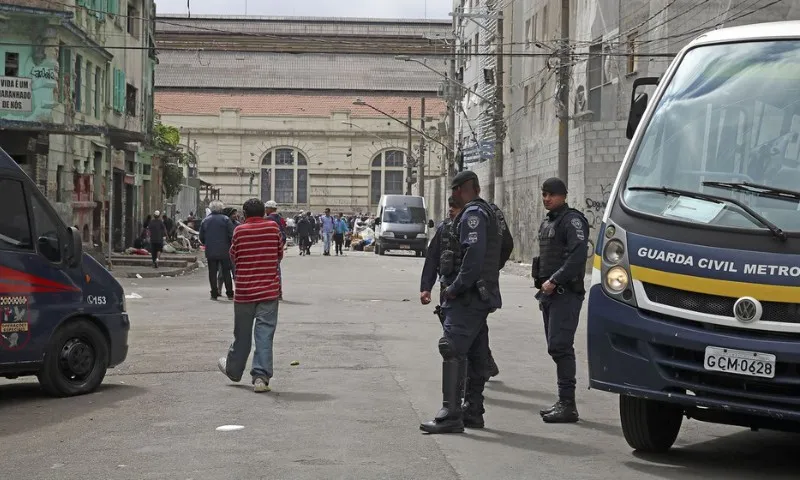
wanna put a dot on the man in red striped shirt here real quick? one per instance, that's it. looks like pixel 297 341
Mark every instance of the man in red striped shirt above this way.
pixel 256 250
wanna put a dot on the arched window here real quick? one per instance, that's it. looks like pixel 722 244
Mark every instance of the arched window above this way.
pixel 388 174
pixel 287 176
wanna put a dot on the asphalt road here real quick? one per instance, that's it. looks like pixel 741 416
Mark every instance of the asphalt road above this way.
pixel 369 372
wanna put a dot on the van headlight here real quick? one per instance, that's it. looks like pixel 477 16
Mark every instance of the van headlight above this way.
pixel 422 235
pixel 614 251
pixel 387 234
pixel 617 279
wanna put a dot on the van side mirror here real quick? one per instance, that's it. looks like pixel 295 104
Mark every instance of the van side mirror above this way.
pixel 377 220
pixel 431 224
pixel 638 104
pixel 75 247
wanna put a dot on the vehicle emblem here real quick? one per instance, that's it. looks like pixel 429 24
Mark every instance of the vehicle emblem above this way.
pixel 747 309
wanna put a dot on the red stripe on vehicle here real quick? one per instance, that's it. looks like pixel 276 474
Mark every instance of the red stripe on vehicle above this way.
pixel 33 281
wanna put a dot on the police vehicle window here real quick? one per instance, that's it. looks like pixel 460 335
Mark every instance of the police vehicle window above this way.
pixel 728 116
pixel 404 214
pixel 15 231
pixel 47 239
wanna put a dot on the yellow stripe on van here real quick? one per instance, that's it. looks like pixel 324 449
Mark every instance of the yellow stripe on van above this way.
pixel 598 262
pixel 712 286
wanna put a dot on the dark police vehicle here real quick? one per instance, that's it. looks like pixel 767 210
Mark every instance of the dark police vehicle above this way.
pixel 62 314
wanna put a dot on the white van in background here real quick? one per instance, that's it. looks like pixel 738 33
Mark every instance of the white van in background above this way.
pixel 401 223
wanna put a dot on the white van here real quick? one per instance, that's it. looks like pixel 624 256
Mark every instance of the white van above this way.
pixel 401 224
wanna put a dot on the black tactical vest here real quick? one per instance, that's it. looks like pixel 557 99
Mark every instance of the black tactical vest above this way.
pixel 553 244
pixel 490 270
pixel 450 248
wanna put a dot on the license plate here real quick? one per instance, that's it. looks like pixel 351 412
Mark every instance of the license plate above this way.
pixel 404 247
pixel 740 362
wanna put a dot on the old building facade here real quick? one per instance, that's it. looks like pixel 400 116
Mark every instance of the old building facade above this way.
pixel 78 104
pixel 300 110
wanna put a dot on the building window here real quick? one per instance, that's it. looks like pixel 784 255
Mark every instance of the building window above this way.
pixel 388 175
pixel 544 23
pixel 89 83
pixel 526 97
pixel 595 78
pixel 133 20
pixel 631 47
pixel 76 91
pixel 130 100
pixel 64 70
pixel 287 176
pixel 528 33
pixel 98 92
pixel 533 28
pixel 477 44
pixel 12 64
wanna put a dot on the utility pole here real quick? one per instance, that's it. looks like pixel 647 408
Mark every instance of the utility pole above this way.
pixel 499 108
pixel 563 96
pixel 452 88
pixel 408 160
pixel 421 163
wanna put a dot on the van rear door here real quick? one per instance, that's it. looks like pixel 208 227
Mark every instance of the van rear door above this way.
pixel 37 288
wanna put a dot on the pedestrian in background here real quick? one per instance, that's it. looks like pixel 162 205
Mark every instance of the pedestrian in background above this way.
pixel 304 226
pixel 256 251
pixel 271 208
pixel 157 234
pixel 340 229
pixel 326 222
pixel 216 233
pixel 558 272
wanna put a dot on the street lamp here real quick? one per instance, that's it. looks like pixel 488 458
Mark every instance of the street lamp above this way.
pixel 365 130
pixel 362 103
pixel 406 58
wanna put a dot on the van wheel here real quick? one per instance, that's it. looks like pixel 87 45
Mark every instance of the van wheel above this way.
pixel 75 361
pixel 649 426
pixel 380 250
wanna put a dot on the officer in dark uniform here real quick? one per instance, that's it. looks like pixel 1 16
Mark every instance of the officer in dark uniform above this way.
pixel 558 272
pixel 430 271
pixel 469 270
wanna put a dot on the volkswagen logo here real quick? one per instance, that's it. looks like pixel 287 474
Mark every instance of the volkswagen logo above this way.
pixel 747 309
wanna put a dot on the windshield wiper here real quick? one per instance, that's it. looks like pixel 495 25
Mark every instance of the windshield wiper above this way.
pixel 765 190
pixel 717 199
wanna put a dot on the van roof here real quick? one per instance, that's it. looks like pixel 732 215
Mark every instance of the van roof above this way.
pixel 756 31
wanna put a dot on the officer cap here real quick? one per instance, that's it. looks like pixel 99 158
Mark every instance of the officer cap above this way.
pixel 464 177
pixel 554 186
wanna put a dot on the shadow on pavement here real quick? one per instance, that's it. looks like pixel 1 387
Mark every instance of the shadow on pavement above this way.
pixel 500 386
pixel 31 408
pixel 739 456
pixel 550 446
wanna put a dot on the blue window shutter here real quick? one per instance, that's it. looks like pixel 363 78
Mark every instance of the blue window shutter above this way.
pixel 116 90
pixel 122 91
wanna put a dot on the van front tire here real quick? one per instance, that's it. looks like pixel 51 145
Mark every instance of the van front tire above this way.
pixel 649 426
pixel 75 361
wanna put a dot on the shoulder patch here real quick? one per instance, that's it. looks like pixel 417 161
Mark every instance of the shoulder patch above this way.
pixel 473 221
pixel 576 222
pixel 472 237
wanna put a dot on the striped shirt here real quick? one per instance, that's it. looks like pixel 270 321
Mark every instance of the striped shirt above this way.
pixel 256 251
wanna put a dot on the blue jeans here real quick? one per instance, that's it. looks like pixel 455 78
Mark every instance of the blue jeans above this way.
pixel 265 315
pixel 326 237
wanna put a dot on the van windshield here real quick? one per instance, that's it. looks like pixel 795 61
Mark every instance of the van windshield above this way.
pixel 403 214
pixel 728 125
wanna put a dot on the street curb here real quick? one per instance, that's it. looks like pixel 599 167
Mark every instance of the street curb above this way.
pixel 165 273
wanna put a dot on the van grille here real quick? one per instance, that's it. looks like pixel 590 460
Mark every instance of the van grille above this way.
pixel 718 305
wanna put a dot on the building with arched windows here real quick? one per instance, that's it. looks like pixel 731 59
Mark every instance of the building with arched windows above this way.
pixel 276 119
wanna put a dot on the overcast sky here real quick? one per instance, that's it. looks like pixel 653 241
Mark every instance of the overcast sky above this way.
pixel 313 8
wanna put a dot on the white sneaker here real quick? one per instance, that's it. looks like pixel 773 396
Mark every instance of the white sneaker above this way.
pixel 261 386
pixel 222 364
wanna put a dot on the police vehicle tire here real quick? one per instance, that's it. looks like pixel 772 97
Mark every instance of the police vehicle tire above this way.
pixel 649 426
pixel 381 250
pixel 75 361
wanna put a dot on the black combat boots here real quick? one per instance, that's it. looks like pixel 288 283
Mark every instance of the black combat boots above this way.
pixel 449 419
pixel 564 411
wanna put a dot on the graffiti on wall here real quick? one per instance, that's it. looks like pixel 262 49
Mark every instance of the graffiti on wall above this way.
pixel 596 206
